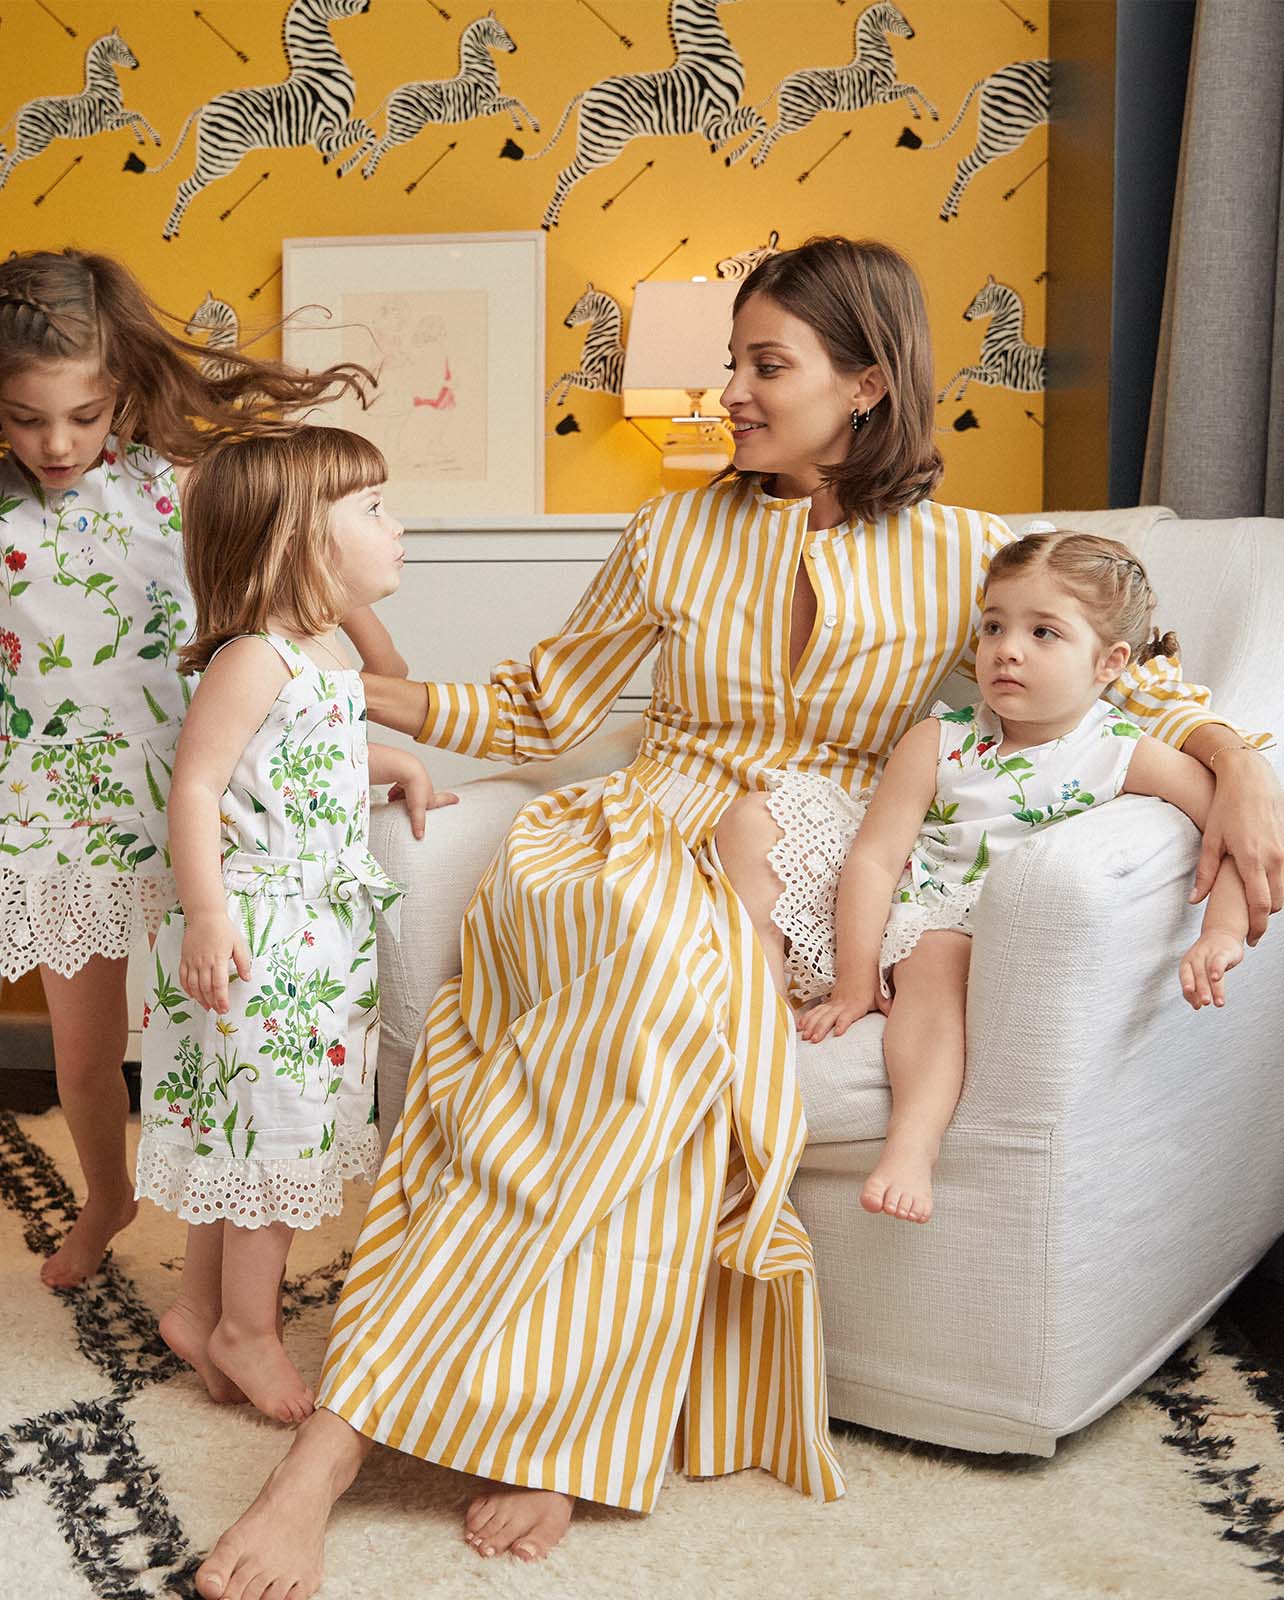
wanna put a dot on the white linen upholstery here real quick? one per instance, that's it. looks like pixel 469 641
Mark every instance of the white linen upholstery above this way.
pixel 1117 1160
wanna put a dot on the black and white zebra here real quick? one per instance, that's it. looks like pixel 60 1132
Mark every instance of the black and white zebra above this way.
pixel 869 79
pixel 602 358
pixel 220 321
pixel 1007 361
pixel 312 107
pixel 737 268
pixel 98 108
pixel 473 92
pixel 1014 101
pixel 700 93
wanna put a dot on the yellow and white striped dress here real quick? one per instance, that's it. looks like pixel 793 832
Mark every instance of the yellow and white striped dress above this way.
pixel 580 1261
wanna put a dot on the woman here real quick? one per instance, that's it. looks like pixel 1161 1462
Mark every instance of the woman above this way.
pixel 580 1256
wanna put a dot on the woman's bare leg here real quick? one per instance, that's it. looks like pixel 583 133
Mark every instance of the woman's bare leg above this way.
pixel 279 1542
pixel 923 1047
pixel 187 1324
pixel 246 1344
pixel 89 1016
pixel 744 835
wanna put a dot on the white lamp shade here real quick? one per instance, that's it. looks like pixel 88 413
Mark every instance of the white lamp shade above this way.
pixel 677 342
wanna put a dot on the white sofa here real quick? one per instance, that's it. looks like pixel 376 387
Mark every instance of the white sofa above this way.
pixel 1116 1163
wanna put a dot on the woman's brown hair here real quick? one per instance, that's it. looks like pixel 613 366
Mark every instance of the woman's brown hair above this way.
pixel 256 515
pixel 865 303
pixel 1103 576
pixel 70 305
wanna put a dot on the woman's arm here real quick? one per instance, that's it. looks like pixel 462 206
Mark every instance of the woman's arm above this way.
pixel 535 709
pixel 870 874
pixel 229 705
pixel 373 643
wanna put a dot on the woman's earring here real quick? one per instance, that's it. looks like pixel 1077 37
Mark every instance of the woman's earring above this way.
pixel 859 419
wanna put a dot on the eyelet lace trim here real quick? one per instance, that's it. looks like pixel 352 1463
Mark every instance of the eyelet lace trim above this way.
pixel 252 1193
pixel 60 919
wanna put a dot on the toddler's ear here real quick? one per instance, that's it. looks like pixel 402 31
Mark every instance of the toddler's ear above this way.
pixel 1113 661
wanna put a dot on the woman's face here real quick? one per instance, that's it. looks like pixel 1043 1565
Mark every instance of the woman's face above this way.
pixel 790 407
pixel 57 418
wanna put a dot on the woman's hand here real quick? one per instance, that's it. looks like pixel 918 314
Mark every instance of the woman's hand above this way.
pixel 410 784
pixel 210 942
pixel 1205 965
pixel 1246 821
pixel 837 1012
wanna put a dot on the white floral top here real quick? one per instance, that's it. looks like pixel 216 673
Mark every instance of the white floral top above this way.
pixel 95 606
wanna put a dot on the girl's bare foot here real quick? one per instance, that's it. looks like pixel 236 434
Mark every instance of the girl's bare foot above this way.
pixel 529 1522
pixel 186 1329
pixel 258 1365
pixel 81 1253
pixel 901 1184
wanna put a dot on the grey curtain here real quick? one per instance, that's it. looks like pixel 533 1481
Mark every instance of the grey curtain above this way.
pixel 1215 446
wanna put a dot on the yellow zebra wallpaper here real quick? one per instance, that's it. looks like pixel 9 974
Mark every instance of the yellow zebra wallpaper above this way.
pixel 652 139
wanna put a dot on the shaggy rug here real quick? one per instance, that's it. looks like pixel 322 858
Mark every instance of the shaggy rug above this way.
pixel 116 1472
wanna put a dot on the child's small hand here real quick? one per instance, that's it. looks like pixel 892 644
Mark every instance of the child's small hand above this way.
pixel 836 1014
pixel 209 943
pixel 1205 965
pixel 414 787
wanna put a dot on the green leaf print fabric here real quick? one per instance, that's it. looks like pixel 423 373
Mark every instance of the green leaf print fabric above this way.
pixel 258 1116
pixel 95 607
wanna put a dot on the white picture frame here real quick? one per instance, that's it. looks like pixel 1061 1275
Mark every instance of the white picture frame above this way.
pixel 453 324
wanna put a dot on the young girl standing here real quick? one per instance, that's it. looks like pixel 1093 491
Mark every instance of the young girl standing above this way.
pixel 1063 616
pixel 257 1105
pixel 97 400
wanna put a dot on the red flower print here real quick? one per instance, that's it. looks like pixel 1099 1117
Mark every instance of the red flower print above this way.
pixel 955 755
pixel 312 794
pixel 309 939
pixel 336 1054
pixel 11 649
pixel 336 716
pixel 986 744
pixel 174 1106
pixel 187 1122
pixel 147 1015
pixel 15 560
pixel 271 1025
pixel 164 505
pixel 109 456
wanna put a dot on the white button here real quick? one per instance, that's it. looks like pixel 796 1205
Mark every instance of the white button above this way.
pixel 816 548
pixel 830 620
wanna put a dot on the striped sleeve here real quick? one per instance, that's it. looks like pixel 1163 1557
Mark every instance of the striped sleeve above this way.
pixel 995 534
pixel 1161 703
pixel 533 710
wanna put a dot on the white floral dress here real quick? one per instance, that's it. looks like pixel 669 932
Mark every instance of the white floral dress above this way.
pixel 94 608
pixel 984 805
pixel 258 1116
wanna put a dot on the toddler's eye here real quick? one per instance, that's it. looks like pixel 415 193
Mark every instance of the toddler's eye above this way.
pixel 990 628
pixel 1045 632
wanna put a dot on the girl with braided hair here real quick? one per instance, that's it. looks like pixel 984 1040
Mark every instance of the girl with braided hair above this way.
pixel 100 406
pixel 1064 615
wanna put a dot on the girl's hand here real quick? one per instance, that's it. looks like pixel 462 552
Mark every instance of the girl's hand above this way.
pixel 836 1014
pixel 412 785
pixel 1205 965
pixel 1246 821
pixel 209 943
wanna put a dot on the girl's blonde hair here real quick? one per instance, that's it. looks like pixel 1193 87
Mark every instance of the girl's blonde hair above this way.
pixel 1106 579
pixel 72 306
pixel 257 540
pixel 864 301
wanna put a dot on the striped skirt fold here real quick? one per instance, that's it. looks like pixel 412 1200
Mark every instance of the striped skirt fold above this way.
pixel 580 1253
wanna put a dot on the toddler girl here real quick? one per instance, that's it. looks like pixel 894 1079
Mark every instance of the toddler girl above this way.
pixel 97 399
pixel 1064 614
pixel 259 1100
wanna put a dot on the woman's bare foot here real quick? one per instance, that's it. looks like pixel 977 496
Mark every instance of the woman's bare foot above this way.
pixel 529 1522
pixel 81 1253
pixel 258 1365
pixel 186 1329
pixel 279 1542
pixel 901 1184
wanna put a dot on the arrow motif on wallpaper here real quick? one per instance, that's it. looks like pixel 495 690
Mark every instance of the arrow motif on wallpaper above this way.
pixel 1034 419
pixel 611 199
pixel 259 288
pixel 415 182
pixel 610 26
pixel 261 179
pixel 71 165
pixel 803 176
pixel 680 244
pixel 66 28
pixel 1030 27
pixel 202 18
pixel 444 15
pixel 1008 193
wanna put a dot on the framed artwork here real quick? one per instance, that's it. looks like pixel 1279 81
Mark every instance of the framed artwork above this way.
pixel 452 324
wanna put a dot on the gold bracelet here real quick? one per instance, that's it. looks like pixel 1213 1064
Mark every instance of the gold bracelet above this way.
pixel 422 736
pixel 1223 748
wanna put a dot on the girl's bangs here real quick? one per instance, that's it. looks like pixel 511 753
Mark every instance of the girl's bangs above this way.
pixel 351 463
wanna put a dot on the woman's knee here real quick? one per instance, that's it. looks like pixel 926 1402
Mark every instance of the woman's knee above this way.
pixel 747 825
